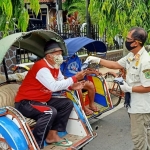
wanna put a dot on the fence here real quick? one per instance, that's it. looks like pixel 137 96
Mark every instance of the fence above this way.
pixel 68 31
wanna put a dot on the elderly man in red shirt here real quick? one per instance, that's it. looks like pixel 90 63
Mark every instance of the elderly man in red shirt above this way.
pixel 34 98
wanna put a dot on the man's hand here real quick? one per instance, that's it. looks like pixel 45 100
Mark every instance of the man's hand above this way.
pixel 125 87
pixel 78 85
pixel 93 59
pixel 80 75
pixel 92 71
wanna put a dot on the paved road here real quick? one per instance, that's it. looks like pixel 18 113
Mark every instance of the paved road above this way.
pixel 113 132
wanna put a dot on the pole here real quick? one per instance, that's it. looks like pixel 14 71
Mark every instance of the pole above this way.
pixel 88 20
pixel 59 15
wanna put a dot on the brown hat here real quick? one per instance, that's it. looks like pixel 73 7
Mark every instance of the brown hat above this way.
pixel 51 46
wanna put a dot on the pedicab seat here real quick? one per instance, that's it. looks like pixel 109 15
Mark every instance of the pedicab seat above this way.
pixel 7 96
pixel 19 77
pixel 2 78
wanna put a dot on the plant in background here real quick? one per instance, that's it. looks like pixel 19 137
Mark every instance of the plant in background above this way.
pixel 13 14
pixel 73 23
pixel 118 16
pixel 73 6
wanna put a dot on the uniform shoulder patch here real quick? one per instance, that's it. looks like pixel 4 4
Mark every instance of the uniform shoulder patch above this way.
pixel 146 73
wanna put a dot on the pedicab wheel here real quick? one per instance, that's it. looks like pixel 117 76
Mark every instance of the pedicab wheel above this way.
pixel 4 145
pixel 113 88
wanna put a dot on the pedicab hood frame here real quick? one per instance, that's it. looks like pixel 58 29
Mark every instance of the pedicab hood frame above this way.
pixel 33 41
pixel 75 44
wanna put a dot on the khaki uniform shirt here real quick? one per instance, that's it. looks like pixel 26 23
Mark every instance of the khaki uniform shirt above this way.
pixel 138 73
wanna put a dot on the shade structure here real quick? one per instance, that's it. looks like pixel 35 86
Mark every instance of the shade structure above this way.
pixel 33 41
pixel 75 44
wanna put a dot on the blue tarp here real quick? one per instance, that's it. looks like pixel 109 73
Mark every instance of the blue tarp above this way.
pixel 75 44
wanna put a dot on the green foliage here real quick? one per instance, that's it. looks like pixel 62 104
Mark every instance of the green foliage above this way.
pixel 80 6
pixel 13 14
pixel 67 3
pixel 75 5
pixel 118 16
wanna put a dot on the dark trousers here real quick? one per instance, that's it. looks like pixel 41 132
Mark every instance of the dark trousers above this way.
pixel 51 116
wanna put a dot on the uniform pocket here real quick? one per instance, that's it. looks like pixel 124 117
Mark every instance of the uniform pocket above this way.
pixel 135 75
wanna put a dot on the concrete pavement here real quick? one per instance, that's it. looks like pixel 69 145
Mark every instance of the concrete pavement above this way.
pixel 113 132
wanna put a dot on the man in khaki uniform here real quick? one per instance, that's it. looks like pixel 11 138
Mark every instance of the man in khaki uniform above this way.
pixel 137 65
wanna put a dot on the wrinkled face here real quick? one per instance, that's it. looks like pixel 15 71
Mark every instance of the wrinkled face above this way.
pixel 55 58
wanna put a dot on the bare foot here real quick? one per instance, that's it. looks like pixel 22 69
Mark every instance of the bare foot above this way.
pixel 52 137
pixel 49 141
pixel 94 108
pixel 87 111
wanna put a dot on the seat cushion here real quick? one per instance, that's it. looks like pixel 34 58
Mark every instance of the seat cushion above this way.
pixel 7 96
pixel 30 122
pixel 2 78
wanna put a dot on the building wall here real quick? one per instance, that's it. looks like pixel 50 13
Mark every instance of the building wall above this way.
pixel 43 14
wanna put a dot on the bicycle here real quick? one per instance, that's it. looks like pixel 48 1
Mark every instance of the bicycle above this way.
pixel 113 86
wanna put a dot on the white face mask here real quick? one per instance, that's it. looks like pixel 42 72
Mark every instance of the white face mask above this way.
pixel 58 59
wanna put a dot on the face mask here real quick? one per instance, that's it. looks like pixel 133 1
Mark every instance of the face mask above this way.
pixel 58 59
pixel 128 45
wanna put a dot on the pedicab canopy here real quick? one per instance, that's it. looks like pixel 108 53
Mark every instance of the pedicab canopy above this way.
pixel 33 41
pixel 75 44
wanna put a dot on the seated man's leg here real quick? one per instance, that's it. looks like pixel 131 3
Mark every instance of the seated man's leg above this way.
pixel 35 110
pixel 64 107
pixel 91 94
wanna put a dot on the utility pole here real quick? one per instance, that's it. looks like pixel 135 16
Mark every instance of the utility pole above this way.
pixel 88 20
pixel 59 15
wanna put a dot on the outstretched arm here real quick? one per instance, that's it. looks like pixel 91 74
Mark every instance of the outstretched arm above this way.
pixel 103 62
pixel 92 71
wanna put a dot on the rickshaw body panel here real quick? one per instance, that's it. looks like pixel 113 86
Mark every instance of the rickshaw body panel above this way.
pixel 10 131
pixel 76 128
pixel 102 98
